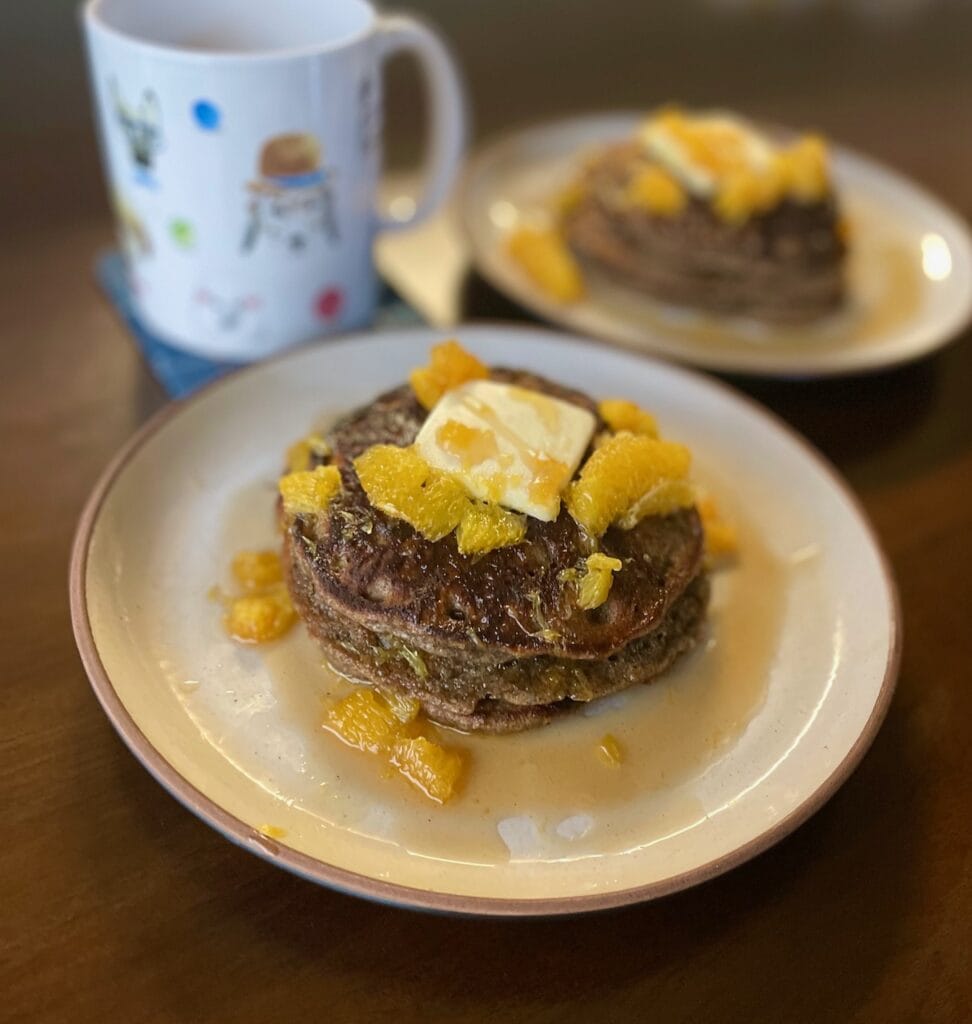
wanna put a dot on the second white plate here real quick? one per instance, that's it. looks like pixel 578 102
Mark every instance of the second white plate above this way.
pixel 910 270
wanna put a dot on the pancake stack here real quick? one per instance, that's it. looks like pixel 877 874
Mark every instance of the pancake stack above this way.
pixel 493 642
pixel 779 261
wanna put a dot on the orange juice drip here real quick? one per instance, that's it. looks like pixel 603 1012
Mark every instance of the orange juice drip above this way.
pixel 470 445
pixel 549 477
pixel 716 147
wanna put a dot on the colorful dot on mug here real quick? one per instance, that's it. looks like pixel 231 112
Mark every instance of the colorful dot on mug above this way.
pixel 207 115
pixel 329 303
pixel 182 233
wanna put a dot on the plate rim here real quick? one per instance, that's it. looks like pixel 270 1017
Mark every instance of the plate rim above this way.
pixel 350 882
pixel 937 340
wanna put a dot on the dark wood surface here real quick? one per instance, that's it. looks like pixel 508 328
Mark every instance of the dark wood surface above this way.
pixel 116 904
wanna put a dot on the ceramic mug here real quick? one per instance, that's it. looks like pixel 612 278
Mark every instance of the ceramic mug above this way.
pixel 242 148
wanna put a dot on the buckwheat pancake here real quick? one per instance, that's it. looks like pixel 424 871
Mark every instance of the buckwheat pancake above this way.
pixel 784 264
pixel 494 642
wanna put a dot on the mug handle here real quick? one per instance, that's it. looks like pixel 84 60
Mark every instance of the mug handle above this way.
pixel 448 129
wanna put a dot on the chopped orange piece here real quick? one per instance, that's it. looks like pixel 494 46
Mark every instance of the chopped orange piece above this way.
pixel 611 751
pixel 384 723
pixel 625 476
pixel 656 191
pixel 258 618
pixel 721 538
pixel 300 452
pixel 595 585
pixel 720 148
pixel 256 569
pixel 298 457
pixel 620 414
pixel 547 260
pixel 803 169
pixel 449 366
pixel 402 484
pixel 433 768
pixel 743 193
pixel 405 709
pixel 660 500
pixel 485 527
pixel 309 491
pixel 364 720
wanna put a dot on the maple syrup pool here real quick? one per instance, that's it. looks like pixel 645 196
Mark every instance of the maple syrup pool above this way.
pixel 547 792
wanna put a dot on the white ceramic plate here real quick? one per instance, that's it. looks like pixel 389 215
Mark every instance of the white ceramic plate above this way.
pixel 909 273
pixel 729 752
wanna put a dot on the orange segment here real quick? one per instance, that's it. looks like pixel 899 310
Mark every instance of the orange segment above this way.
pixel 721 538
pixel 620 414
pixel 309 491
pixel 364 720
pixel 622 474
pixel 595 585
pixel 256 569
pixel 405 709
pixel 743 193
pixel 300 452
pixel 656 191
pixel 544 256
pixel 485 527
pixel 259 618
pixel 449 366
pixel 385 724
pixel 402 484
pixel 803 168
pixel 427 765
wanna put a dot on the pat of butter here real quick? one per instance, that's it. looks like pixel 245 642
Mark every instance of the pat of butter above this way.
pixel 700 150
pixel 507 444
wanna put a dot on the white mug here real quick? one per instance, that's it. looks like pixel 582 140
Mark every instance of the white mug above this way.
pixel 242 148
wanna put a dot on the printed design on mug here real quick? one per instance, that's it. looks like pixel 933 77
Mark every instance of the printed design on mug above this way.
pixel 227 314
pixel 141 124
pixel 182 233
pixel 329 302
pixel 369 116
pixel 207 115
pixel 133 235
pixel 292 202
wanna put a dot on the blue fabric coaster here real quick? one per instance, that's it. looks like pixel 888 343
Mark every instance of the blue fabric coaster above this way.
pixel 181 373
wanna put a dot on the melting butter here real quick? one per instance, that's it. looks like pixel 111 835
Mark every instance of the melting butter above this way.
pixel 507 444
pixel 702 149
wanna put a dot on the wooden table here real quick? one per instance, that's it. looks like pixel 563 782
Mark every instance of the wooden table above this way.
pixel 116 904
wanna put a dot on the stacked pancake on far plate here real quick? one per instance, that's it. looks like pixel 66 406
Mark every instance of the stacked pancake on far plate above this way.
pixel 707 212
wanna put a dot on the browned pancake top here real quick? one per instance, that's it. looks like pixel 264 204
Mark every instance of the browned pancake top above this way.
pixel 384 574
